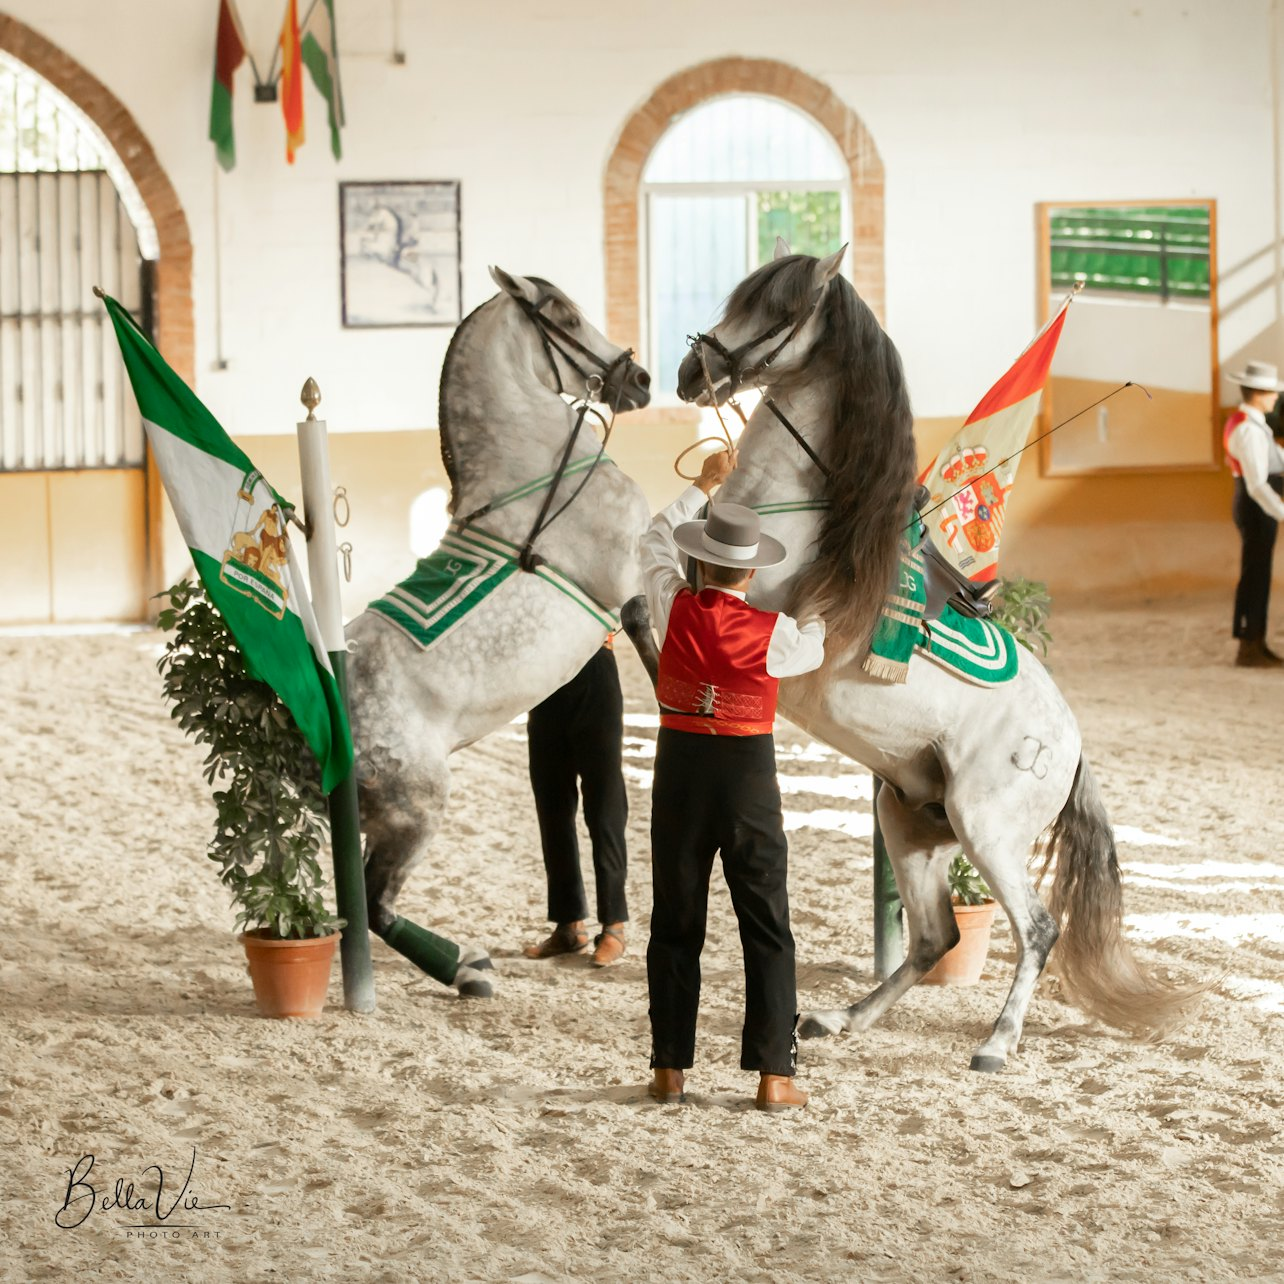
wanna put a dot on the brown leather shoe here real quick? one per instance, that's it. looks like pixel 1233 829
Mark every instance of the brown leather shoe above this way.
pixel 609 945
pixel 666 1087
pixel 566 938
pixel 1256 655
pixel 777 1092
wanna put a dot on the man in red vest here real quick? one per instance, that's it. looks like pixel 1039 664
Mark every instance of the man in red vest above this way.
pixel 721 661
pixel 1256 461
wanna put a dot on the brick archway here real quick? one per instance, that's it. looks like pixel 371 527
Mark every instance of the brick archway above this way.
pixel 684 90
pixel 173 322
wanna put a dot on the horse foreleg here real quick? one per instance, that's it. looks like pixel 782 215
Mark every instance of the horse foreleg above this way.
pixel 920 846
pixel 1003 866
pixel 635 619
pixel 400 821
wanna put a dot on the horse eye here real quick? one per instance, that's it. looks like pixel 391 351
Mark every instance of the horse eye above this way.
pixel 573 321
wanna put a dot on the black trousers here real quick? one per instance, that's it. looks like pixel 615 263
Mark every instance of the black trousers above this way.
pixel 1257 534
pixel 575 744
pixel 719 793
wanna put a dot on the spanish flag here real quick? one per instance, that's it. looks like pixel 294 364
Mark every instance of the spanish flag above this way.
pixel 970 479
pixel 291 81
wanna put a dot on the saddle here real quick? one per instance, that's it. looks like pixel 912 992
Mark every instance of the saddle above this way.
pixel 945 584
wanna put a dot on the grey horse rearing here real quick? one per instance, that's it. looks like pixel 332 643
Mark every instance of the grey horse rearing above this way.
pixel 503 423
pixel 955 758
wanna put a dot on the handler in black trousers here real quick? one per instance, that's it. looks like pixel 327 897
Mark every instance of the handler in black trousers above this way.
pixel 575 739
pixel 715 783
pixel 1257 462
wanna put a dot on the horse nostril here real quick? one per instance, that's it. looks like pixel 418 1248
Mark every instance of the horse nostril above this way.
pixel 642 379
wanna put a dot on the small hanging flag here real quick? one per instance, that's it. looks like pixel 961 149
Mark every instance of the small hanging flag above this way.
pixel 229 54
pixel 291 81
pixel 321 57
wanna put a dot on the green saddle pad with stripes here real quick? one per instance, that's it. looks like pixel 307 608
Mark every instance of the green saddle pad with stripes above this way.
pixel 977 650
pixel 465 569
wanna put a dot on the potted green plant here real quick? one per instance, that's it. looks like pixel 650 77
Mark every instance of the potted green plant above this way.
pixel 1022 608
pixel 271 813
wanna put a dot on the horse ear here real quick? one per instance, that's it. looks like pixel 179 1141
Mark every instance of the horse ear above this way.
pixel 782 249
pixel 518 286
pixel 827 269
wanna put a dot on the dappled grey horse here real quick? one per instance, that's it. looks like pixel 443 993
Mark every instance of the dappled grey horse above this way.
pixel 828 459
pixel 530 488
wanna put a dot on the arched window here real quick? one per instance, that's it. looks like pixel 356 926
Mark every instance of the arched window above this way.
pixel 70 218
pixel 723 182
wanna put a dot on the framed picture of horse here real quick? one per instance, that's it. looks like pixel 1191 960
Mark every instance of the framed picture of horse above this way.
pixel 399 253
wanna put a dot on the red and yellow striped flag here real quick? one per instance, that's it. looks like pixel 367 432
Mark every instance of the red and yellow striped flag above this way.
pixel 291 80
pixel 976 468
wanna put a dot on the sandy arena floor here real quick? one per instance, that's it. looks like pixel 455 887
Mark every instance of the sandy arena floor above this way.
pixel 511 1140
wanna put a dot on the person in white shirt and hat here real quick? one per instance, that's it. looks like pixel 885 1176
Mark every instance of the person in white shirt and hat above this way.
pixel 1257 463
pixel 715 787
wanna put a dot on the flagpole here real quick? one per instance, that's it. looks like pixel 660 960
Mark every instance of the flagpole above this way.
pixel 345 820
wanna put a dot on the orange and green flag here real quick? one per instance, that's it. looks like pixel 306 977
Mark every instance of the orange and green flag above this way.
pixel 229 54
pixel 291 81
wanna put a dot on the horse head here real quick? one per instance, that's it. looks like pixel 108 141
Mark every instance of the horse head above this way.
pixel 767 330
pixel 570 354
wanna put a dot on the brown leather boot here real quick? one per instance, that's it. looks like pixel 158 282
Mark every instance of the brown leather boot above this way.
pixel 777 1092
pixel 566 938
pixel 608 945
pixel 1256 655
pixel 666 1086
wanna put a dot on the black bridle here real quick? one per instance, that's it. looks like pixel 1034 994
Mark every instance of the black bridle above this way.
pixel 552 337
pixel 738 375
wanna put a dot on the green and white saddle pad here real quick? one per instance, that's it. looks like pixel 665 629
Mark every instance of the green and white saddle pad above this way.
pixel 465 569
pixel 978 650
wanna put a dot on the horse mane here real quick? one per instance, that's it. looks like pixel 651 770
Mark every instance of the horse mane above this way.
pixel 869 451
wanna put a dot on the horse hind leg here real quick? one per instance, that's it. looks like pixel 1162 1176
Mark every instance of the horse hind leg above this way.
pixel 920 845
pixel 1001 861
pixel 400 820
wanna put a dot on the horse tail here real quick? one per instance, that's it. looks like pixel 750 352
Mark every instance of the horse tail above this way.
pixel 1098 971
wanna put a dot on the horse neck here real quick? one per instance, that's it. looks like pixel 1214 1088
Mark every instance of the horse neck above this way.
pixel 504 425
pixel 774 469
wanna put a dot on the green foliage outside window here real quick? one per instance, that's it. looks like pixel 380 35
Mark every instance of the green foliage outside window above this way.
pixel 811 222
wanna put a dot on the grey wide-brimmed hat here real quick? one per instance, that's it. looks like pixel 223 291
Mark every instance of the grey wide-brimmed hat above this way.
pixel 730 536
pixel 1259 375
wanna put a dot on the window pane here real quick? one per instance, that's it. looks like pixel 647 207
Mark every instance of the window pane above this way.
pixel 812 222
pixel 698 255
pixel 744 138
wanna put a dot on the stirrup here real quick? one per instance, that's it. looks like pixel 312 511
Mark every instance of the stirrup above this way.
pixel 977 601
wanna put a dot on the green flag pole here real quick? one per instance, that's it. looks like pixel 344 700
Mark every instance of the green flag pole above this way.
pixel 345 821
pixel 889 946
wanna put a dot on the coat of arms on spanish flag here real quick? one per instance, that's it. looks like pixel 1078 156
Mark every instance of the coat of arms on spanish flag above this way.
pixel 971 477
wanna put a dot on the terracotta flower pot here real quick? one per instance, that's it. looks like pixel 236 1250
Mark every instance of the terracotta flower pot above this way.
pixel 962 965
pixel 290 977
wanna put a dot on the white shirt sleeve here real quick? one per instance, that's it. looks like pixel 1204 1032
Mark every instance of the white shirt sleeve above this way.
pixel 1250 446
pixel 795 648
pixel 663 576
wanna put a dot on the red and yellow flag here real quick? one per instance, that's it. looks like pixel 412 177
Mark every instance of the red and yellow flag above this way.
pixel 291 80
pixel 971 477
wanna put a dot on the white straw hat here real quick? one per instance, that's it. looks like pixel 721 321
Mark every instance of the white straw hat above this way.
pixel 1261 376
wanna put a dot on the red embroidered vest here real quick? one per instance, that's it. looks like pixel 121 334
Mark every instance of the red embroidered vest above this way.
pixel 713 666
pixel 1231 424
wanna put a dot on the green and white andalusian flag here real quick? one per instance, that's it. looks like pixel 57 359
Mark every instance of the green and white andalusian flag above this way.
pixel 319 47
pixel 232 522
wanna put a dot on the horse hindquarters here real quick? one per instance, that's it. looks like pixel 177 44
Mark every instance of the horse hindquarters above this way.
pixel 1098 970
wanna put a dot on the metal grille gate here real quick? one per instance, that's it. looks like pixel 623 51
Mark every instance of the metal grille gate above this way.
pixel 63 400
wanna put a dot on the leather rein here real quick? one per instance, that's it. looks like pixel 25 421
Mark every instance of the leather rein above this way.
pixel 555 339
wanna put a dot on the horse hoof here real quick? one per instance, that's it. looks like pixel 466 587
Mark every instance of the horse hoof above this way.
pixel 814 1025
pixel 477 959
pixel 988 1065
pixel 472 985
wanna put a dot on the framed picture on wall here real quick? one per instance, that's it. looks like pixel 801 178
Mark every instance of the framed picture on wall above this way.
pixel 399 253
